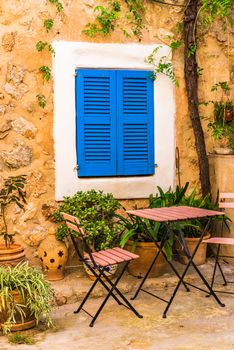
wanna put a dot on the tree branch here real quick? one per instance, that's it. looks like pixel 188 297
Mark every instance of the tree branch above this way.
pixel 168 3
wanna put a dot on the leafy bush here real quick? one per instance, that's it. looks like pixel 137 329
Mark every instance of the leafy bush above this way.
pixel 96 212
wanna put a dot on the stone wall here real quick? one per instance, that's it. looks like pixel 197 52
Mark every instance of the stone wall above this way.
pixel 26 129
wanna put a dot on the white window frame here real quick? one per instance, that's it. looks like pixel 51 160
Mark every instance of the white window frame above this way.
pixel 72 55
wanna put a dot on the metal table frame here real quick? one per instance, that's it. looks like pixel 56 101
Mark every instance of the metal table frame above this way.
pixel 170 216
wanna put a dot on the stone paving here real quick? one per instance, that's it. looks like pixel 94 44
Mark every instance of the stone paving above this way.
pixel 194 322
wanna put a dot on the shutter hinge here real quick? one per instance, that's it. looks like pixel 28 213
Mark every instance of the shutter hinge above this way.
pixel 76 167
pixel 156 165
pixel 76 75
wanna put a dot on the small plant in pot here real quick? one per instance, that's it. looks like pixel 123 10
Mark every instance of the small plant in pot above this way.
pixel 24 296
pixel 12 192
pixel 221 127
pixel 96 213
pixel 141 234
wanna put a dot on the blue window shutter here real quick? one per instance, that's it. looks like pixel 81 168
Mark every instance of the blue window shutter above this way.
pixel 135 123
pixel 96 122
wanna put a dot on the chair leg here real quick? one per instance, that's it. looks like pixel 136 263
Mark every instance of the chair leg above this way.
pixel 86 297
pixel 225 282
pixel 164 238
pixel 98 279
pixel 215 267
pixel 114 288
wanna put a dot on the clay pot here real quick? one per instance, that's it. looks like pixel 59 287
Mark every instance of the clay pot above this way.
pixel 146 252
pixel 228 115
pixel 12 255
pixel 29 320
pixel 53 256
pixel 200 256
pixel 110 272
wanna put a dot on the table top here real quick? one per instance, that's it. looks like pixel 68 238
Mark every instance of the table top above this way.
pixel 180 213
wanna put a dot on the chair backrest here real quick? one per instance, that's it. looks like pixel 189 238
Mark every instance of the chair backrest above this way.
pixel 73 223
pixel 226 200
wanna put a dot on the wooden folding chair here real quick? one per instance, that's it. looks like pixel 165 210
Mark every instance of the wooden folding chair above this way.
pixel 224 203
pixel 97 263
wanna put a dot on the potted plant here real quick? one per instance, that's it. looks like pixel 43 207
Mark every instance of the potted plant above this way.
pixel 96 212
pixel 223 134
pixel 193 229
pixel 221 126
pixel 24 296
pixel 140 234
pixel 11 192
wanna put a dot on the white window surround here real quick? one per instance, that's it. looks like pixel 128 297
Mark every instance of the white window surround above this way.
pixel 72 55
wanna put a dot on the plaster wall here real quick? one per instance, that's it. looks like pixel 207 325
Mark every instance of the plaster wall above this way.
pixel 69 56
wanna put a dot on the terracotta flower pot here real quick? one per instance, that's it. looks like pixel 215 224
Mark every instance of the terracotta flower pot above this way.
pixel 110 272
pixel 228 115
pixel 200 256
pixel 29 320
pixel 11 256
pixel 146 252
pixel 53 256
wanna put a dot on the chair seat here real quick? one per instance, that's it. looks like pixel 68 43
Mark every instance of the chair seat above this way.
pixel 219 240
pixel 113 256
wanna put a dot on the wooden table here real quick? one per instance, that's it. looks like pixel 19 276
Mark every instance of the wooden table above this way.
pixel 169 216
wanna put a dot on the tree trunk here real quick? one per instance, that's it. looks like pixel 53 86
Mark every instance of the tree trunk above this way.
pixel 191 80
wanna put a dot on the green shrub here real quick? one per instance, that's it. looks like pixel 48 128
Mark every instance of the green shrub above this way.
pixel 96 212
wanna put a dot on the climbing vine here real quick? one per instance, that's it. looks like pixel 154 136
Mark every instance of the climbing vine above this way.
pixel 137 11
pixel 42 45
pixel 107 16
pixel 105 21
pixel 164 65
pixel 195 15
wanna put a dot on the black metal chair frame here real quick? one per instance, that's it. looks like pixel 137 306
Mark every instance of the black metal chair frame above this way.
pixel 99 273
pixel 180 277
pixel 217 254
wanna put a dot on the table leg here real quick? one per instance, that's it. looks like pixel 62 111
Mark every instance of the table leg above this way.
pixel 196 269
pixel 164 238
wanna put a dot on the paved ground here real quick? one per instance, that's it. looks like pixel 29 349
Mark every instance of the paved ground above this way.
pixel 193 323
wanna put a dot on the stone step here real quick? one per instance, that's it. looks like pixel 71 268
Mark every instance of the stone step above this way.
pixel 76 283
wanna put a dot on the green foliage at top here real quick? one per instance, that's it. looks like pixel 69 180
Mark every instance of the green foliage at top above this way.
pixel 41 45
pixel 35 291
pixel 192 50
pixel 175 44
pixel 46 72
pixel 11 192
pixel 48 24
pixel 161 66
pixel 41 99
pixel 223 85
pixel 96 212
pixel 136 10
pixel 58 5
pixel 105 21
pixel 212 9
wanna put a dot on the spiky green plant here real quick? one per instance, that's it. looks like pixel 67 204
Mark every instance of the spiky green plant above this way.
pixel 35 291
